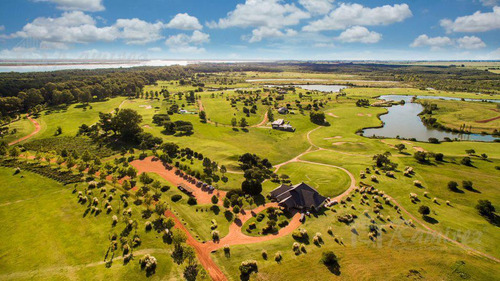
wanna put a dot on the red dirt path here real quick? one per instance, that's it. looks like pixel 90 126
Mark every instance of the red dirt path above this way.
pixel 37 129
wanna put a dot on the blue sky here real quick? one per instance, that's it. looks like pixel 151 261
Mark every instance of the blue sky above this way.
pixel 250 29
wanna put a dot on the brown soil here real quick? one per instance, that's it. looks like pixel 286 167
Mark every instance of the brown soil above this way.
pixel 37 129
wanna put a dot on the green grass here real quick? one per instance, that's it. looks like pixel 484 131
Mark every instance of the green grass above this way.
pixel 23 127
pixel 328 181
pixel 50 238
pixel 453 114
pixel 71 117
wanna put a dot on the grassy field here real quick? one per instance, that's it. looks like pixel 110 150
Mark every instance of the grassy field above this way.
pixel 328 181
pixel 22 127
pixel 71 117
pixel 49 237
pixel 453 114
pixel 32 204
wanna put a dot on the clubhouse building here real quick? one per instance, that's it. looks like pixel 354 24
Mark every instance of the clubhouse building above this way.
pixel 300 197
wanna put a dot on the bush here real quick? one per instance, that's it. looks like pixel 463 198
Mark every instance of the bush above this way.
pixel 248 267
pixel 486 210
pixel 214 200
pixel 264 254
pixel 278 257
pixel 148 263
pixel 176 197
pixel 453 186
pixel 192 201
pixel 329 258
pixel 424 210
pixel 467 185
pixel 466 161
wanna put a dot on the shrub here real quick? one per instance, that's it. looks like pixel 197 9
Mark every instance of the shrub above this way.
pixel 467 185
pixel 486 210
pixel 466 161
pixel 264 254
pixel 248 267
pixel 453 186
pixel 148 225
pixel 214 200
pixel 295 246
pixel 417 183
pixel 215 235
pixel 192 201
pixel 278 257
pixel 424 210
pixel 328 258
pixel 148 263
pixel 176 197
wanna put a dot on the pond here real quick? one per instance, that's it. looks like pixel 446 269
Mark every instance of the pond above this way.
pixel 403 121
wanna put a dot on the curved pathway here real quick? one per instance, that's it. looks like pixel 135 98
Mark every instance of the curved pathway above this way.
pixel 37 129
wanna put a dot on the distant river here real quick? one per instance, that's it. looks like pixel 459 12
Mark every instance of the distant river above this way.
pixel 403 121
pixel 321 88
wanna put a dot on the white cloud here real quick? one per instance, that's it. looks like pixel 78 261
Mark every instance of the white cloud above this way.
pixel 470 42
pixel 44 45
pixel 435 43
pixel 324 45
pixel 265 32
pixel 78 27
pixel 183 43
pixel 477 22
pixel 155 49
pixel 136 31
pixel 359 34
pixel 2 28
pixel 489 2
pixel 347 15
pixel 185 22
pixel 259 13
pixel 80 5
pixel 317 7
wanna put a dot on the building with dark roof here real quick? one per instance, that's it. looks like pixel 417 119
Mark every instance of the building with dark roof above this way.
pixel 300 197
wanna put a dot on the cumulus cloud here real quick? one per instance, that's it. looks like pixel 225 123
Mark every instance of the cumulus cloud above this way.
pixel 185 22
pixel 437 43
pixel 258 13
pixel 155 49
pixel 359 34
pixel 347 15
pixel 265 32
pixel 80 5
pixel 184 43
pixel 136 31
pixel 317 7
pixel 477 22
pixel 470 42
pixel 78 27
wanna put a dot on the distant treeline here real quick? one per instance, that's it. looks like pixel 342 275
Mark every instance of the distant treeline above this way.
pixel 19 92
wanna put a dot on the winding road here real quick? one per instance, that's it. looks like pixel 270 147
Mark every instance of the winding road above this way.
pixel 37 129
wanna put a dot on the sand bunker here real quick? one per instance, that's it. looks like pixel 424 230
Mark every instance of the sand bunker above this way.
pixel 146 106
pixel 339 143
pixel 333 115
pixel 336 137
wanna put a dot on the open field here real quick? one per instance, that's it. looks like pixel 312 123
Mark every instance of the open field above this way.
pixel 453 241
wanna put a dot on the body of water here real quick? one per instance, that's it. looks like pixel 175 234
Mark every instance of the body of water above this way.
pixel 403 121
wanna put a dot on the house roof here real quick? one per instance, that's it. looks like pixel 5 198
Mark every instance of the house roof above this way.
pixel 299 196
pixel 278 122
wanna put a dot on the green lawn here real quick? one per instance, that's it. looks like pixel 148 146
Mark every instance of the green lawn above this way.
pixel 23 127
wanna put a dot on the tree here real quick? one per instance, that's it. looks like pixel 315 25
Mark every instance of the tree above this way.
pixel 400 147
pixel 453 186
pixel 127 123
pixel 439 156
pixel 486 210
pixel 470 151
pixel 203 116
pixel 145 178
pixel 270 115
pixel 383 161
pixel 467 185
pixel 234 123
pixel 466 161
pixel 424 210
pixel 420 156
pixel 484 156
pixel 317 117
pixel 214 200
pixel 328 258
pixel 58 131
pixel 251 186
pixel 14 151
pixel 243 122
pixel 86 157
